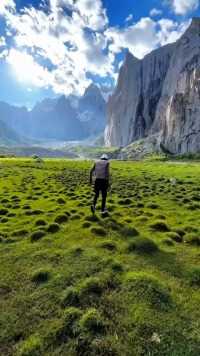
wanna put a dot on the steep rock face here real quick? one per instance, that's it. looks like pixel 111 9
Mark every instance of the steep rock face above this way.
pixel 122 105
pixel 178 112
pixel 92 110
pixel 160 95
pixel 131 109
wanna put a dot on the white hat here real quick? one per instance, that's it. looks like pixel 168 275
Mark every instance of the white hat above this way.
pixel 104 156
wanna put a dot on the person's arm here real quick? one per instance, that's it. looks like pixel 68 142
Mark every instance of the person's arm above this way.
pixel 91 173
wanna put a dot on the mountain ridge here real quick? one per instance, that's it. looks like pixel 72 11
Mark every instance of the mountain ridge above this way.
pixel 58 118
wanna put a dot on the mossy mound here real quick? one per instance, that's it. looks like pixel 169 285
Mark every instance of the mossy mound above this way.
pixel 61 218
pixel 61 201
pixel 149 288
pixel 92 218
pixel 117 266
pixel 143 245
pixel 174 236
pixel 180 231
pixel 40 276
pixel 159 225
pixel 92 322
pixel 53 228
pixel 152 206
pixel 98 231
pixel 70 297
pixel 90 288
pixel 40 222
pixel 168 242
pixel 71 319
pixel 37 235
pixel 86 225
pixel 129 232
pixel 109 245
pixel 192 239
pixel 20 233
pixel 4 211
pixel 194 276
pixel 30 347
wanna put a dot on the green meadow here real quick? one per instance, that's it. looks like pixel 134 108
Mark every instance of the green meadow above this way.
pixel 76 284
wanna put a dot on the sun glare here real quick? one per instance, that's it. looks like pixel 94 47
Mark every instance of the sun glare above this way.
pixel 26 69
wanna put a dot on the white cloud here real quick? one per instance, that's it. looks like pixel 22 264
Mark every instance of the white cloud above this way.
pixel 59 47
pixel 6 6
pixel 170 31
pixel 129 18
pixel 145 35
pixel 155 12
pixel 182 7
pixel 69 41
pixel 4 54
pixel 140 38
pixel 27 70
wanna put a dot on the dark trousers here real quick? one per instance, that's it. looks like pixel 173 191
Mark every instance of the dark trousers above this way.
pixel 101 185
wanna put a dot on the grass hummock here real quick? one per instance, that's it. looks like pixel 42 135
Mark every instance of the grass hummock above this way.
pixel 74 283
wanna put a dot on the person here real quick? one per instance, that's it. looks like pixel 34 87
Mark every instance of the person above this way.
pixel 102 175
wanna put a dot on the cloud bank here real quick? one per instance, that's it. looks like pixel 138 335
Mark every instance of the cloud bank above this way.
pixel 63 43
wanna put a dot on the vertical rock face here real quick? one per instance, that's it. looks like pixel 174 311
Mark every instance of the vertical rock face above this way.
pixel 178 112
pixel 122 105
pixel 159 95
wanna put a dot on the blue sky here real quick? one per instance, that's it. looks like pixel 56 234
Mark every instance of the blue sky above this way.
pixel 54 47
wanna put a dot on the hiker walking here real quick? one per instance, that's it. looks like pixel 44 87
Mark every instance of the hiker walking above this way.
pixel 101 172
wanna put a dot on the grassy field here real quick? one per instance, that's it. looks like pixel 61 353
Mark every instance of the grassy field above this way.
pixel 73 284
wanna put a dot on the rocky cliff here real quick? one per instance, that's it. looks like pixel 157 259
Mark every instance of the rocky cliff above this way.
pixel 159 95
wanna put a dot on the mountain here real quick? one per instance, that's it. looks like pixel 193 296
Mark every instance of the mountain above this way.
pixel 14 117
pixel 62 119
pixel 92 110
pixel 159 95
pixel 8 136
pixel 55 119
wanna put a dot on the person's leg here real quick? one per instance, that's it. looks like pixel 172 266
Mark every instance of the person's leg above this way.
pixel 96 196
pixel 104 190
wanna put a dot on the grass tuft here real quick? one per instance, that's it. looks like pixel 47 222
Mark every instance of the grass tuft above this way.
pixel 143 245
pixel 30 347
pixel 194 276
pixel 92 322
pixel 70 297
pixel 149 288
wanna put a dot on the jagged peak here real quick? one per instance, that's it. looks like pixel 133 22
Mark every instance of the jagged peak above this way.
pixel 92 90
pixel 130 58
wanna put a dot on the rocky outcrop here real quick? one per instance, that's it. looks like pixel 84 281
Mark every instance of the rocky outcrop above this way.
pixel 159 95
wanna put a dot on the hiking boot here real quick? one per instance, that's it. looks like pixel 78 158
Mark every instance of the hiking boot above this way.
pixel 92 209
pixel 104 212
